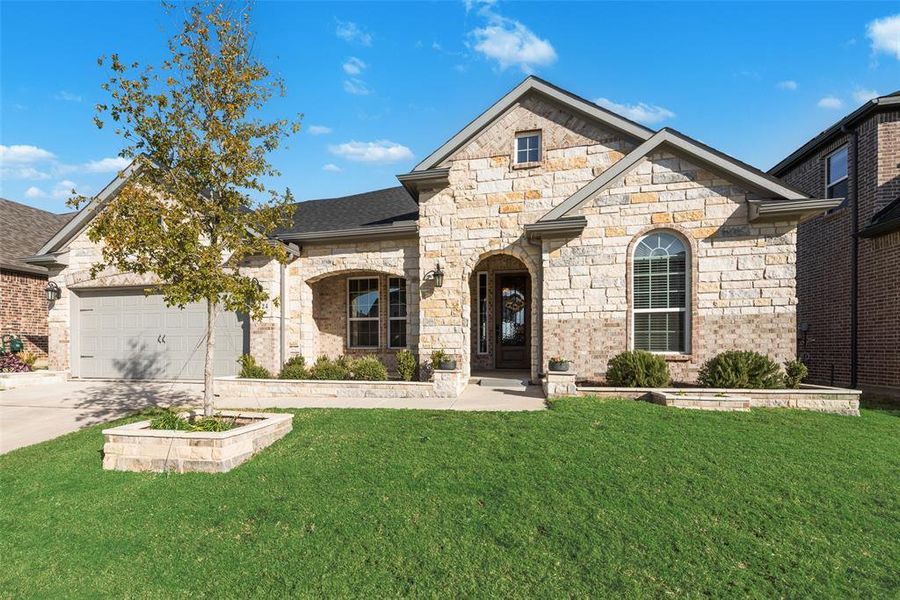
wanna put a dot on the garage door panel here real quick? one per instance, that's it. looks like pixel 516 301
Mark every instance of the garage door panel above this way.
pixel 126 334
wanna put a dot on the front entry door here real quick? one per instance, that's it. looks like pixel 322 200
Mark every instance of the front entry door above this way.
pixel 512 330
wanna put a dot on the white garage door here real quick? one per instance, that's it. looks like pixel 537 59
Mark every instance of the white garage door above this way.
pixel 126 334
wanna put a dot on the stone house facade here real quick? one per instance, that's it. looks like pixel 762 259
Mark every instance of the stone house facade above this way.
pixel 848 260
pixel 548 226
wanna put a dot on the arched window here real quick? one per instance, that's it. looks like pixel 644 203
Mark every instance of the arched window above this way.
pixel 661 295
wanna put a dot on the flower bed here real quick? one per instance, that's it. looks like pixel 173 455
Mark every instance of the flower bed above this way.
pixel 136 447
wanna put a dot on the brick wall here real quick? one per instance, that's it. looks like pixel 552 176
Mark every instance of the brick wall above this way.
pixel 23 309
pixel 824 253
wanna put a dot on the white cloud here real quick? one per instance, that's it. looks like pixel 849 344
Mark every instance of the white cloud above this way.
pixel 353 66
pixel 318 130
pixel 35 192
pixel 830 102
pixel 331 168
pixel 381 151
pixel 63 190
pixel 106 165
pixel 351 32
pixel 67 96
pixel 642 112
pixel 862 95
pixel 511 43
pixel 787 84
pixel 23 154
pixel 885 35
pixel 357 87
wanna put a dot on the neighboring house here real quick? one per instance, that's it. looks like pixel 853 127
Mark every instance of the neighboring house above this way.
pixel 546 226
pixel 23 297
pixel 848 260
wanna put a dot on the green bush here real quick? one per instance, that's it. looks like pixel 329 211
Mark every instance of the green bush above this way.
pixel 794 373
pixel 251 370
pixel 368 368
pixel 638 368
pixel 406 365
pixel 294 368
pixel 170 419
pixel 328 369
pixel 740 369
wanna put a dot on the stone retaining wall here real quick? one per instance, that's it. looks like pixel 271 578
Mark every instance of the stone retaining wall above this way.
pixel 9 381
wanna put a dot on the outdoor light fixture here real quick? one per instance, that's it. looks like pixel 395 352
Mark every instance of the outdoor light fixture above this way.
pixel 437 274
pixel 53 292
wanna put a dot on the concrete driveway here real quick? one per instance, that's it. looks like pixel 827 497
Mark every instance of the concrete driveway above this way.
pixel 29 415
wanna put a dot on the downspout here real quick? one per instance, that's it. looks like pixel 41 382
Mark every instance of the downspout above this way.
pixel 854 257
pixel 281 333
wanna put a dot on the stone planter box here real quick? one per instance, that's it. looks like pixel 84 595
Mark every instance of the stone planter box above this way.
pixel 10 381
pixel 817 398
pixel 136 447
pixel 701 401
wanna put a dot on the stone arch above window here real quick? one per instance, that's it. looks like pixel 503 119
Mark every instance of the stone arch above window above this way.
pixel 660 303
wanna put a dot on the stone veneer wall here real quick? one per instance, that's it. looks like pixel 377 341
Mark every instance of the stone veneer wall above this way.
pixel 23 309
pixel 489 200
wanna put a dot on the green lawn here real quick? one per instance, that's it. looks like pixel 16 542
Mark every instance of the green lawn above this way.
pixel 591 498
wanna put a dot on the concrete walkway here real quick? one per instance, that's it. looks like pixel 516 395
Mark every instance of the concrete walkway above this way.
pixel 30 415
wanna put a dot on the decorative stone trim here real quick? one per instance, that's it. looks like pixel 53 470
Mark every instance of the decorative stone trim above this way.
pixel 557 384
pixel 444 384
pixel 701 401
pixel 839 401
pixel 136 447
pixel 449 383
pixel 9 381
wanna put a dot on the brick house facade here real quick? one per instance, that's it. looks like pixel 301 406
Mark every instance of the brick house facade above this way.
pixel 23 299
pixel 537 230
pixel 851 337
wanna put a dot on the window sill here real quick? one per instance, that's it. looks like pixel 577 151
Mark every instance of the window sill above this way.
pixel 676 357
pixel 528 165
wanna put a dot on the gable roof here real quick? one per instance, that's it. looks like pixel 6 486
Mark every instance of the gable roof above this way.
pixel 532 84
pixel 24 230
pixel 890 101
pixel 703 154
pixel 369 212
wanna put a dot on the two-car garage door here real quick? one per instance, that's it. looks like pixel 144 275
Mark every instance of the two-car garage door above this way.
pixel 127 334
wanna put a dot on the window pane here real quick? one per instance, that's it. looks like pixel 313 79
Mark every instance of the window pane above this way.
pixel 659 331
pixel 397 296
pixel 528 148
pixel 363 334
pixel 837 166
pixel 839 190
pixel 363 298
pixel 482 313
pixel 397 334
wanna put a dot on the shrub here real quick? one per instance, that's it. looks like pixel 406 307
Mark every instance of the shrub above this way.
pixel 294 368
pixel 638 368
pixel 11 363
pixel 251 370
pixel 369 368
pixel 327 369
pixel 437 357
pixel 172 420
pixel 29 358
pixel 740 369
pixel 406 365
pixel 794 373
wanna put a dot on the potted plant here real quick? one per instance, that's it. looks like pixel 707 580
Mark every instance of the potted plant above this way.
pixel 442 361
pixel 559 364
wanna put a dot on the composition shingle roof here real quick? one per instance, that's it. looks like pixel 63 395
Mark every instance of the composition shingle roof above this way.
pixel 23 231
pixel 379 207
pixel 884 221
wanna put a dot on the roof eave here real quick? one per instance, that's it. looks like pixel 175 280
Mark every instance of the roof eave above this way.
pixel 566 227
pixel 777 210
pixel 398 230
pixel 419 180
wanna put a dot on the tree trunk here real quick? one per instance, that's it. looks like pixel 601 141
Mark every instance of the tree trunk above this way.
pixel 210 352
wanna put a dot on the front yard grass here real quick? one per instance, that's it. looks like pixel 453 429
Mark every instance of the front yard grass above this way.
pixel 591 499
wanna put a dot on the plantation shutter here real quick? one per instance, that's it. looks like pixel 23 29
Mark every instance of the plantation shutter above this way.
pixel 660 295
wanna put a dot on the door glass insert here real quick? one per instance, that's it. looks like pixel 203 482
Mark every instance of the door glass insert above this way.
pixel 512 311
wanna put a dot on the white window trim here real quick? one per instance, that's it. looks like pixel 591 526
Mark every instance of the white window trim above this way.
pixel 688 270
pixel 352 319
pixel 525 134
pixel 831 184
pixel 487 291
pixel 392 319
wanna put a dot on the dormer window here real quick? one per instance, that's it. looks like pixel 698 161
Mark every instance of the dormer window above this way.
pixel 528 147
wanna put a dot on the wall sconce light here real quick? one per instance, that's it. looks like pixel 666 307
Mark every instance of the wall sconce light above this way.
pixel 53 292
pixel 437 274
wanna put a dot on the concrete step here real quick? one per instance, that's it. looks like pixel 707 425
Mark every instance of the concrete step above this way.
pixel 503 383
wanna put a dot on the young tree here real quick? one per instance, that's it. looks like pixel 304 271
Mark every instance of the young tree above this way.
pixel 193 125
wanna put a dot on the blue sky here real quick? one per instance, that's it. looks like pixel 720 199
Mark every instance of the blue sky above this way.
pixel 381 85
